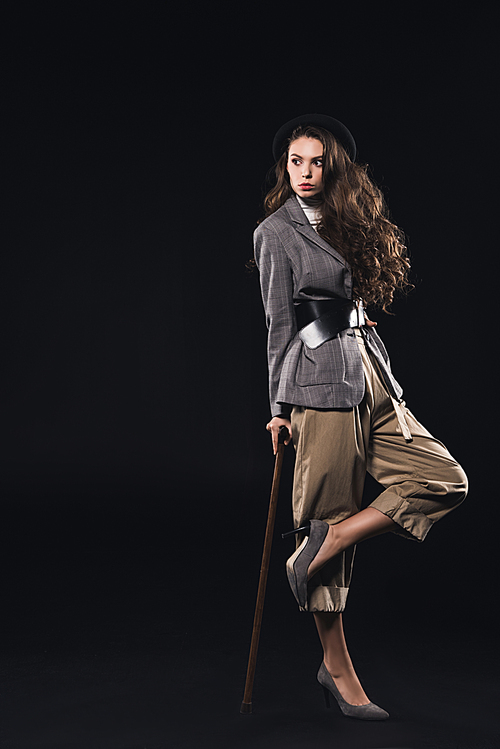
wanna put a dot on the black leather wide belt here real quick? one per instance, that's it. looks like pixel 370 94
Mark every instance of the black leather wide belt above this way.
pixel 320 321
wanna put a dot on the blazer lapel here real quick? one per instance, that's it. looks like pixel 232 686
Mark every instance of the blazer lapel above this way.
pixel 303 226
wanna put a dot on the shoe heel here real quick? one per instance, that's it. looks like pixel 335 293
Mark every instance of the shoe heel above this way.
pixel 326 695
pixel 306 527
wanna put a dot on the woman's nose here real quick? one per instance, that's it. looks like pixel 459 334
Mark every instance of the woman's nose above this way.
pixel 306 171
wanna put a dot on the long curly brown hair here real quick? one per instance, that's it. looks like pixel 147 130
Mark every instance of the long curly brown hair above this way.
pixel 354 220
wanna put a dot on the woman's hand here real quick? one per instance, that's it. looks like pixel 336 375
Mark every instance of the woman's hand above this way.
pixel 274 427
pixel 368 322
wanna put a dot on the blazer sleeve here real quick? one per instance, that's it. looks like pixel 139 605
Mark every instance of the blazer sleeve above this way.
pixel 276 283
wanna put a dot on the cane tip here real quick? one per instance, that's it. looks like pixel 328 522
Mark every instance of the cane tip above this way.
pixel 246 708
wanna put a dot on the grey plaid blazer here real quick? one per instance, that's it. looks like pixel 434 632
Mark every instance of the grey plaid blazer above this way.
pixel 296 265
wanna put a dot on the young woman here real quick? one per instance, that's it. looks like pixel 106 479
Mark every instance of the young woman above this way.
pixel 325 250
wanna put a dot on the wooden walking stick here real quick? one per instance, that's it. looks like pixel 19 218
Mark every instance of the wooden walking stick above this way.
pixel 246 705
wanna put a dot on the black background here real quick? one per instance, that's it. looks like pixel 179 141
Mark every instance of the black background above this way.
pixel 136 468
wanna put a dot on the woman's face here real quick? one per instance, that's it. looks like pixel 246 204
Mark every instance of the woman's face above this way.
pixel 305 166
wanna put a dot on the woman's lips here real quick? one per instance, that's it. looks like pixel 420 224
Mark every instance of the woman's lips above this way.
pixel 306 187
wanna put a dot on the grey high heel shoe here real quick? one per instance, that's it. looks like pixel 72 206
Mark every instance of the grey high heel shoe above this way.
pixel 298 564
pixel 363 712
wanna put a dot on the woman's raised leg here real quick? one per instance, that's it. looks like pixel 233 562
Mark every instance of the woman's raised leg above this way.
pixel 365 524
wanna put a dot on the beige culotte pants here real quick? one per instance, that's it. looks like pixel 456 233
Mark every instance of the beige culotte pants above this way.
pixel 335 448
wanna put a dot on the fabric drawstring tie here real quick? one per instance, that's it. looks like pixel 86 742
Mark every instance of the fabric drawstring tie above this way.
pixel 400 413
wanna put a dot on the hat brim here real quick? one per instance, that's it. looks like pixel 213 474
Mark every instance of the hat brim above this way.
pixel 335 127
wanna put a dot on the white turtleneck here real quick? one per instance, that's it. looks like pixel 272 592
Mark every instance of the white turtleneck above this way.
pixel 312 209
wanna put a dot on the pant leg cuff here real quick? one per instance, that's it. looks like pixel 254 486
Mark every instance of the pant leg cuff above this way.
pixel 411 523
pixel 326 598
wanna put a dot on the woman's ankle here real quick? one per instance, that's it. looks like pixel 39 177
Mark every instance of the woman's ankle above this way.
pixel 348 684
pixel 338 670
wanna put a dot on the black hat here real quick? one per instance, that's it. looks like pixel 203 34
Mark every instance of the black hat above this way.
pixel 335 127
